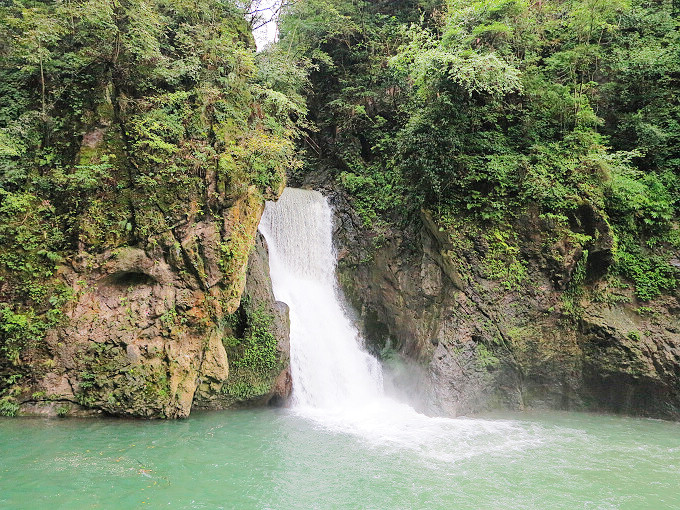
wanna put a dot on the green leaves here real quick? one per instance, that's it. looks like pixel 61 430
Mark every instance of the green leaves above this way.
pixel 259 344
pixel 639 198
pixel 120 121
pixel 254 360
pixel 492 107
pixel 309 25
pixel 474 72
pixel 652 275
pixel 426 61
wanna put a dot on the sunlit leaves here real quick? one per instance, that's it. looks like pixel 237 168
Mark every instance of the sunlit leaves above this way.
pixel 427 63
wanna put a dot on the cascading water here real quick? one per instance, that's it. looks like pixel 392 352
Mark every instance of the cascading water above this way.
pixel 328 364
pixel 335 381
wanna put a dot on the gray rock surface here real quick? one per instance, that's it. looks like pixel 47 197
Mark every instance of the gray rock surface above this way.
pixel 424 296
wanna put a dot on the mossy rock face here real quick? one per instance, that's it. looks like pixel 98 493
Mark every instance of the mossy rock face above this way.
pixel 134 340
pixel 143 328
pixel 257 343
pixel 111 381
pixel 561 336
pixel 145 334
pixel 143 331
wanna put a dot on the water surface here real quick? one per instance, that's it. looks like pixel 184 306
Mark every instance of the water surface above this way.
pixel 280 460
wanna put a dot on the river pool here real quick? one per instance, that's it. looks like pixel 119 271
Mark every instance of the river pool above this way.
pixel 281 459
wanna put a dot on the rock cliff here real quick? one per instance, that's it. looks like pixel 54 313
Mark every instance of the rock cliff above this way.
pixel 131 188
pixel 509 319
pixel 145 336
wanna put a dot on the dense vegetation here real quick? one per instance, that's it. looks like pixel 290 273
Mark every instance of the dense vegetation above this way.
pixel 119 122
pixel 124 121
pixel 487 110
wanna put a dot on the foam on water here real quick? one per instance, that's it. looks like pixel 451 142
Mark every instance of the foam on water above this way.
pixel 336 383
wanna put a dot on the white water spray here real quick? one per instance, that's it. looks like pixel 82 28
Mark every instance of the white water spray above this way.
pixel 335 381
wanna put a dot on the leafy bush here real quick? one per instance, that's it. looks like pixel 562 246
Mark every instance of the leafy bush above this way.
pixel 257 349
pixel 652 275
pixel 252 352
pixel 8 407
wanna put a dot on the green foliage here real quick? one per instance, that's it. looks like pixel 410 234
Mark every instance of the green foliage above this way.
pixel 640 202
pixel 309 25
pixel 252 353
pixel 501 262
pixel 63 410
pixel 645 310
pixel 171 318
pixel 485 358
pixel 652 274
pixel 374 192
pixel 256 350
pixel 431 64
pixel 18 331
pixel 8 407
pixel 245 387
pixel 491 108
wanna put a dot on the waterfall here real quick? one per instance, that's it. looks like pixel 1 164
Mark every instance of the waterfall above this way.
pixel 336 383
pixel 329 365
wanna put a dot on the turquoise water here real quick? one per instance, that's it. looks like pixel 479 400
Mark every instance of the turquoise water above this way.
pixel 270 459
